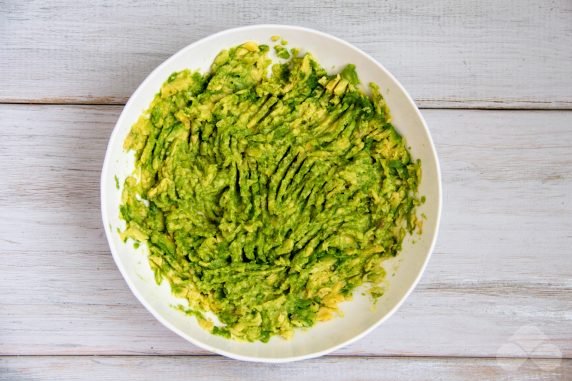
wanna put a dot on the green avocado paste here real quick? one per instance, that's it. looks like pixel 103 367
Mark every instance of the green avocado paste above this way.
pixel 266 193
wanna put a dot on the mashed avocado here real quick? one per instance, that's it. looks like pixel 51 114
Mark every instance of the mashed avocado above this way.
pixel 267 199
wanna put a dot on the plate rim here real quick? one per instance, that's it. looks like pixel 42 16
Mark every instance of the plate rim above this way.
pixel 104 179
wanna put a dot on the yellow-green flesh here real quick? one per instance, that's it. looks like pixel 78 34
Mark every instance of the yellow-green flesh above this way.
pixel 267 200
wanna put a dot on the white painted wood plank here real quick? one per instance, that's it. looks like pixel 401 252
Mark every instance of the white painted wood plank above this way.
pixel 481 54
pixel 502 259
pixel 332 368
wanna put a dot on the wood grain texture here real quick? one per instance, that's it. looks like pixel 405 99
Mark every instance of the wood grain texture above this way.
pixel 460 54
pixel 502 260
pixel 332 368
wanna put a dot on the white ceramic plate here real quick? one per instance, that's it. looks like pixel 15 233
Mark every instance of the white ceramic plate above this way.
pixel 359 318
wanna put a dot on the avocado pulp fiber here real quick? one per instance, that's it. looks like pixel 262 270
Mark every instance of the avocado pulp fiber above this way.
pixel 267 199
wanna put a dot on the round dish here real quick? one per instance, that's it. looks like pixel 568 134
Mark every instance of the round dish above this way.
pixel 404 271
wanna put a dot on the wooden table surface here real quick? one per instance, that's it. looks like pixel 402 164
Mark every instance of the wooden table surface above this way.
pixel 494 81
